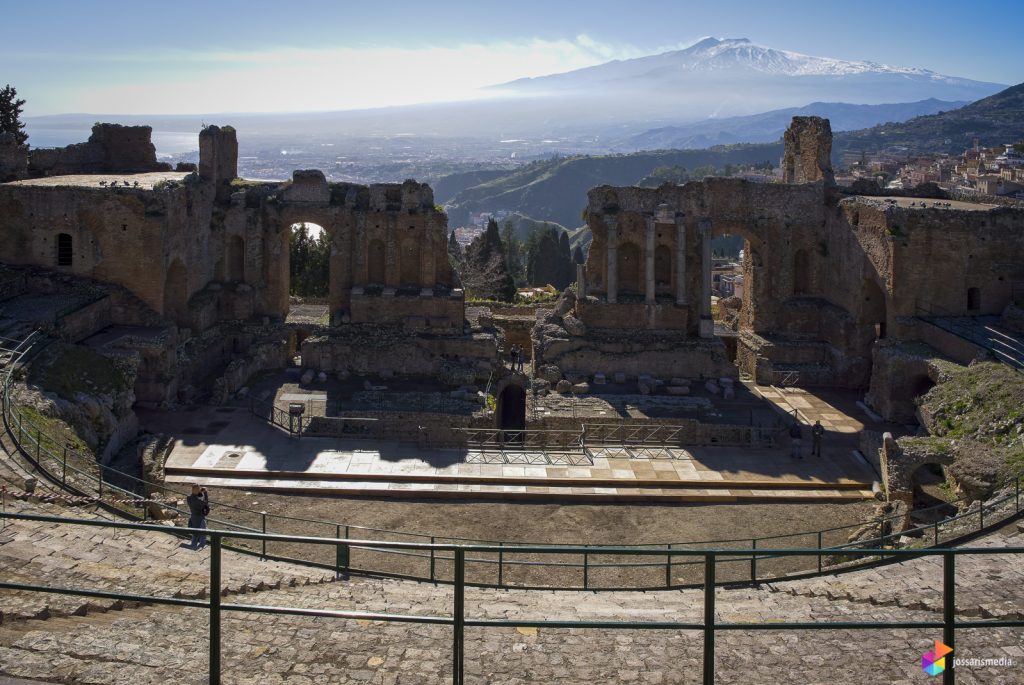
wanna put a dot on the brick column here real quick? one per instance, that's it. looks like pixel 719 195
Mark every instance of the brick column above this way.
pixel 707 327
pixel 649 262
pixel 613 258
pixel 680 260
pixel 428 263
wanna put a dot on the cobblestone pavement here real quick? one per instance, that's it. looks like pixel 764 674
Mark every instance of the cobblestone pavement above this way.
pixel 136 562
pixel 167 645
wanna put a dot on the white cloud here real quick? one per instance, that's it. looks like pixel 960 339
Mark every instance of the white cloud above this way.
pixel 296 79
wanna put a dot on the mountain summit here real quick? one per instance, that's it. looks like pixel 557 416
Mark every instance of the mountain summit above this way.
pixel 734 76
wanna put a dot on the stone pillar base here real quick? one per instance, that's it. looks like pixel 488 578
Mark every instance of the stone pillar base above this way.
pixel 707 328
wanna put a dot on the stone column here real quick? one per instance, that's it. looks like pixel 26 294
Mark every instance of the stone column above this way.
pixel 391 254
pixel 581 281
pixel 680 260
pixel 428 263
pixel 613 258
pixel 649 262
pixel 707 326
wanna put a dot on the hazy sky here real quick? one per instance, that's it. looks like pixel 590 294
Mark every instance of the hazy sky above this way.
pixel 290 55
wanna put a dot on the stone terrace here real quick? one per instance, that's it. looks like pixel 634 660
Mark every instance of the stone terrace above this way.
pixel 152 644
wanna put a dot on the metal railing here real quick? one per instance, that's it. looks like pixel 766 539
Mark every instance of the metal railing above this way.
pixel 709 626
pixel 597 568
pixel 1009 351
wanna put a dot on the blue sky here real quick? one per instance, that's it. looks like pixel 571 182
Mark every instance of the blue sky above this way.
pixel 197 57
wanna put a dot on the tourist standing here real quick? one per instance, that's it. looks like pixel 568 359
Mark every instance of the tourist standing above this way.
pixel 199 509
pixel 816 432
pixel 795 440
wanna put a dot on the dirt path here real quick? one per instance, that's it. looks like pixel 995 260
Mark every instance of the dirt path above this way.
pixel 549 523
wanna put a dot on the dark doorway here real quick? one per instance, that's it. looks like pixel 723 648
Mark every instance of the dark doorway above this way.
pixel 973 299
pixel 65 249
pixel 511 409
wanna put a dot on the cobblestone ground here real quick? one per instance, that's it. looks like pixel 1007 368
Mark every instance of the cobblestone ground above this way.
pixel 167 645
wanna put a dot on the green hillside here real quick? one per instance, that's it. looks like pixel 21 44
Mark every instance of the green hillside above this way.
pixel 994 120
pixel 556 189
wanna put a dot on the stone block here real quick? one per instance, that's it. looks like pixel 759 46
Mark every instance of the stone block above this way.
pixel 599 379
pixel 712 387
pixel 581 388
pixel 550 373
pixel 678 390
pixel 574 326
pixel 728 393
pixel 563 386
pixel 307 377
pixel 680 382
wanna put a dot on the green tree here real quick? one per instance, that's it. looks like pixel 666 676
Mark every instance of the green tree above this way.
pixel 310 262
pixel 484 273
pixel 548 260
pixel 10 114
pixel 513 251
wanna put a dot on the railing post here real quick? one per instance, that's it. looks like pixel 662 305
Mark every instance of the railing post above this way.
pixel 753 559
pixel 981 515
pixel 64 468
pixel 340 554
pixel 263 516
pixel 39 443
pixel 668 568
pixel 433 560
pixel 948 611
pixel 458 617
pixel 709 619
pixel 586 570
pixel 819 551
pixel 215 608
pixel 501 566
pixel 935 525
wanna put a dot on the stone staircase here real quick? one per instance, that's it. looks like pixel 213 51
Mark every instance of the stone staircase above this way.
pixel 112 560
pixel 167 645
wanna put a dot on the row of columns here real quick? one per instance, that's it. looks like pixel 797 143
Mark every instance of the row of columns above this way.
pixel 704 230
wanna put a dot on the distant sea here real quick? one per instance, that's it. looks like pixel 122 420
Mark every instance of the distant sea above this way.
pixel 166 142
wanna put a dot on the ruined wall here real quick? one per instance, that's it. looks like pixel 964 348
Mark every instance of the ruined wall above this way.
pixel 112 148
pixel 389 258
pixel 808 151
pixel 13 158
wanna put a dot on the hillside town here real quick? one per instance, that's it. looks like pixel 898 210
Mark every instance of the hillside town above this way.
pixel 995 171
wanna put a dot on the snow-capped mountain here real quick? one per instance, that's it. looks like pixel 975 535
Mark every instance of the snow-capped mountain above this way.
pixel 734 76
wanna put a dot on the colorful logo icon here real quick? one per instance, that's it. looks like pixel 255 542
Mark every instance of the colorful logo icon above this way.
pixel 934 662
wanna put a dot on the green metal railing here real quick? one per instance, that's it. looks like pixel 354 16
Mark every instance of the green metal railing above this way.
pixel 598 567
pixel 709 626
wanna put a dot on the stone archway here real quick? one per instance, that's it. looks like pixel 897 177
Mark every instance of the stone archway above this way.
pixel 629 269
pixel 872 307
pixel 409 263
pixel 510 410
pixel 375 261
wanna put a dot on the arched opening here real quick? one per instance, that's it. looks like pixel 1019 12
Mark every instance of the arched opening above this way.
pixel 236 259
pixel 375 263
pixel 973 299
pixel 872 311
pixel 662 268
pixel 801 273
pixel 176 293
pixel 309 260
pixel 629 269
pixel 510 411
pixel 65 249
pixel 932 494
pixel 919 386
pixel 409 263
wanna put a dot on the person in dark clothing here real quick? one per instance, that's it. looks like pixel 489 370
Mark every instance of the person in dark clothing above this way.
pixel 795 441
pixel 199 509
pixel 817 430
